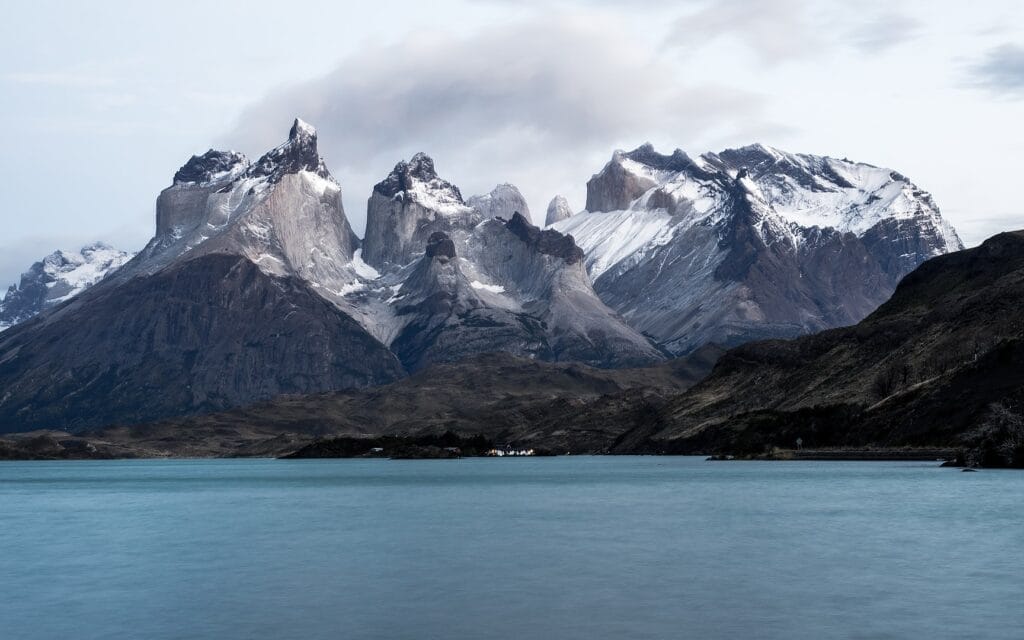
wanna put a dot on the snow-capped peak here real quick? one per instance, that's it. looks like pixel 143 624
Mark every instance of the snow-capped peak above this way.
pixel 59 276
pixel 213 167
pixel 818 191
pixel 417 181
pixel 795 190
pixel 301 128
pixel 299 153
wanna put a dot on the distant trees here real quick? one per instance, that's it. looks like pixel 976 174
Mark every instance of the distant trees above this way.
pixel 1006 426
pixel 894 376
pixel 902 369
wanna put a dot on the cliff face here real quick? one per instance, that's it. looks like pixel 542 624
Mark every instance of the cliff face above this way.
pixel 406 208
pixel 513 289
pixel 284 213
pixel 508 286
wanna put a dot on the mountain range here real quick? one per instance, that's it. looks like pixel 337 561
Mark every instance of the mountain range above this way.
pixel 255 285
pixel 938 367
pixel 58 277
pixel 750 243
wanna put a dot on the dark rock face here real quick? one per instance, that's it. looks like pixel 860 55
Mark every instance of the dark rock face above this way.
pixel 439 244
pixel 940 364
pixel 548 242
pixel 614 188
pixel 205 168
pixel 298 154
pixel 405 175
pixel 27 299
pixel 678 161
pixel 208 334
pixel 445 319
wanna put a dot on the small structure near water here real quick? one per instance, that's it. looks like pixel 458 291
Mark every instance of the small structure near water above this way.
pixel 508 451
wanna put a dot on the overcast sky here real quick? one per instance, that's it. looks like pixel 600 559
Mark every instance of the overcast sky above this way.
pixel 103 101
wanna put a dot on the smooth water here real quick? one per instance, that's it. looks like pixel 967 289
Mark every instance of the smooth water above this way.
pixel 574 547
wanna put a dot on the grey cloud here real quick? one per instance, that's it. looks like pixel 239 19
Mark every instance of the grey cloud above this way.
pixel 775 30
pixel 884 32
pixel 61 79
pixel 541 104
pixel 1001 71
pixel 778 31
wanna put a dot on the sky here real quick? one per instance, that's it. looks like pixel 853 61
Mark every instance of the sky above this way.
pixel 103 101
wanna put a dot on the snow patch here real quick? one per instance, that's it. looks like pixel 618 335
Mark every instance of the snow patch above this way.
pixel 608 237
pixel 493 288
pixel 436 198
pixel 304 127
pixel 320 185
pixel 362 269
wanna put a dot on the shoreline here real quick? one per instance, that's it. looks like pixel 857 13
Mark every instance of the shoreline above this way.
pixel 922 454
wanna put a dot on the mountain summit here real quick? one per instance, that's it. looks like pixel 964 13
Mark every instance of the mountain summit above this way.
pixel 750 243
pixel 57 278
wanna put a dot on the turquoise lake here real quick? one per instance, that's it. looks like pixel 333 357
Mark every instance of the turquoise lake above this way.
pixel 569 547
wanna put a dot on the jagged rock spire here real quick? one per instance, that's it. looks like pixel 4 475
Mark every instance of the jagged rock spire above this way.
pixel 419 169
pixel 298 154
pixel 558 210
pixel 547 241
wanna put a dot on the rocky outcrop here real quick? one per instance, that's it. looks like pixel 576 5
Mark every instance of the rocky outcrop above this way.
pixel 558 210
pixel 409 205
pixel 517 290
pixel 213 166
pixel 298 154
pixel 542 273
pixel 632 174
pixel 503 202
pixel 547 241
pixel 445 319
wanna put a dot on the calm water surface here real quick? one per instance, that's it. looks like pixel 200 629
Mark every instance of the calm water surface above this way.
pixel 531 548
